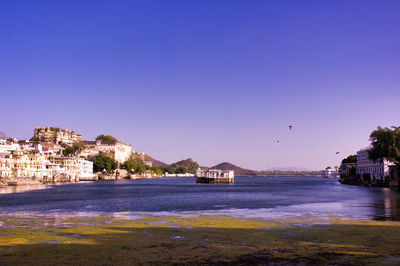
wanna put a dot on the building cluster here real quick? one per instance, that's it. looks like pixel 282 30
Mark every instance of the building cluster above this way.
pixel 369 172
pixel 42 158
pixel 44 163
pixel 117 150
pixel 56 135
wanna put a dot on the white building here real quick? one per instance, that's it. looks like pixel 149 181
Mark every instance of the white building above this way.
pixel 31 160
pixel 20 164
pixel 329 172
pixel 118 150
pixel 370 171
pixel 86 170
pixel 67 168
pixel 7 147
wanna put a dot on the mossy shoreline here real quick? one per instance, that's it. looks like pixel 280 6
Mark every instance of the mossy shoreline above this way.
pixel 203 239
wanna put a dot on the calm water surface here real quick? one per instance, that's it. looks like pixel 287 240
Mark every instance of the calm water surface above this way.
pixel 258 197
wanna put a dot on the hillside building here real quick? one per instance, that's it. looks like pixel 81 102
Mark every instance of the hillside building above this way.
pixel 68 167
pixel 56 135
pixel 116 149
pixel 7 147
pixel 23 164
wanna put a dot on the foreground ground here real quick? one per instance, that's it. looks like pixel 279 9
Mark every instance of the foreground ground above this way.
pixel 196 240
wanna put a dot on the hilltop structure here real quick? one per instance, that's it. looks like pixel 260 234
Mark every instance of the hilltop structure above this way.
pixel 56 135
pixel 118 150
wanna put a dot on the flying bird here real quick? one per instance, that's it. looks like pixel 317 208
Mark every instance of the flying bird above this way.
pixel 277 141
pixel 337 152
pixel 290 127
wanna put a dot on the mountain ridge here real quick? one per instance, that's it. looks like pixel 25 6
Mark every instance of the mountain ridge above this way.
pixel 239 171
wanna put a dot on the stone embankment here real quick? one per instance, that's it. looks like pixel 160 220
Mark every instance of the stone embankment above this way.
pixel 117 175
pixel 18 182
pixel 123 174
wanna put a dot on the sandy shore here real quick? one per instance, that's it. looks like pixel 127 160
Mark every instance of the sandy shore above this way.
pixel 206 240
pixel 18 182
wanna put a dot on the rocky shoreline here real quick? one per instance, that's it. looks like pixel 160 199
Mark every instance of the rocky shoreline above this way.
pixel 18 182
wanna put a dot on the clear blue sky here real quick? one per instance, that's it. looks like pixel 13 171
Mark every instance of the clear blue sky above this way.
pixel 211 80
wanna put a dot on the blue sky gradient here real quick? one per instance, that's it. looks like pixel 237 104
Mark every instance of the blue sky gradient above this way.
pixel 211 80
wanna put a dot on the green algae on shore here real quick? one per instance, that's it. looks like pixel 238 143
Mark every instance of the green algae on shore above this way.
pixel 204 239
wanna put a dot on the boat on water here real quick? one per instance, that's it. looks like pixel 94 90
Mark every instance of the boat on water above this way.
pixel 215 176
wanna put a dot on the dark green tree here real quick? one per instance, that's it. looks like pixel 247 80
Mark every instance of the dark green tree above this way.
pixel 134 163
pixel 103 161
pixel 68 150
pixel 74 148
pixel 185 166
pixel 167 169
pixel 350 159
pixel 385 143
pixel 352 171
pixel 79 145
pixel 156 170
pixel 34 139
pixel 106 138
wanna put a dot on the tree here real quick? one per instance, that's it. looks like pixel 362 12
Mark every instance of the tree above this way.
pixel 385 143
pixel 74 148
pixel 350 159
pixel 34 139
pixel 106 138
pixel 157 171
pixel 68 150
pixel 169 170
pixel 79 145
pixel 185 166
pixel 103 161
pixel 140 168
pixel 134 163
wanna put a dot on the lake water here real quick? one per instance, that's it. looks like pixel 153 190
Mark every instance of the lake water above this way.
pixel 252 197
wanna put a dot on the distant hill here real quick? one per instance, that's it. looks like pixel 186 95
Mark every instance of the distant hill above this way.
pixel 156 163
pixel 192 166
pixel 238 170
pixel 188 164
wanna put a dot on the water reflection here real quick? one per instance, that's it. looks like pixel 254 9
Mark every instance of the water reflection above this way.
pixel 24 188
pixel 391 204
